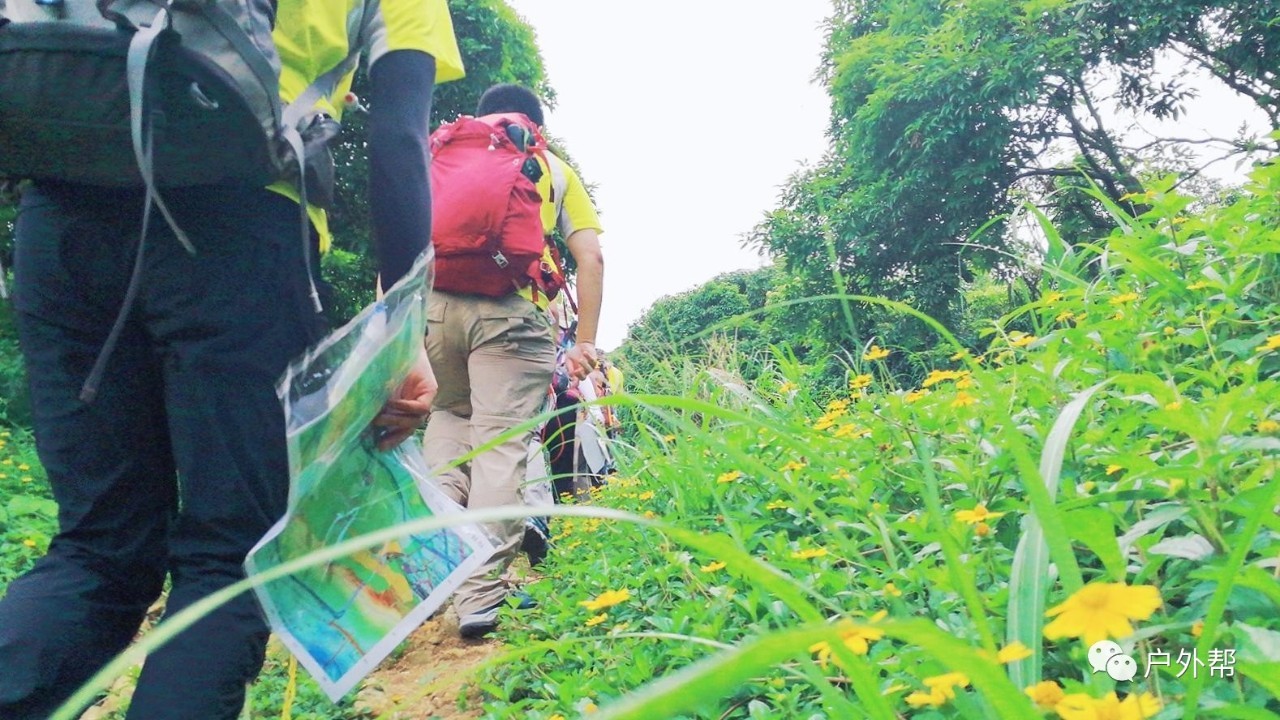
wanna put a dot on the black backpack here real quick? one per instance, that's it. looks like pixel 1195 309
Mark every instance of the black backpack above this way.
pixel 154 93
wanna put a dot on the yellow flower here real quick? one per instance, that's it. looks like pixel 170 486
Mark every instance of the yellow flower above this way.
pixel 787 387
pixel 1099 611
pixel 1272 343
pixel 1198 285
pixel 1053 297
pixel 856 431
pixel 1013 652
pixel 978 514
pixel 597 619
pixel 775 505
pixel 6 461
pixel 982 529
pixel 1169 330
pixel 1113 469
pixel 960 355
pixel 729 477
pixel 857 638
pixel 24 467
pixel 963 399
pixel 915 395
pixel 919 699
pixel 875 353
pixel 1268 426
pixel 937 376
pixel 29 543
pixel 859 381
pixel 650 514
pixel 1082 707
pixel 590 707
pixel 964 383
pixel 809 553
pixel 1197 628
pixel 792 466
pixel 1122 299
pixel 668 438
pixel 892 590
pixel 646 495
pixel 1045 694
pixel 557 716
pixel 941 689
pixel 712 567
pixel 1065 316
pixel 607 599
pixel 1019 339
pixel 1175 405
pixel 838 406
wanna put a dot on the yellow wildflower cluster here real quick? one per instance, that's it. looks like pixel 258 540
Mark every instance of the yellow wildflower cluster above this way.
pixel 809 553
pixel 979 514
pixel 941 689
pixel 875 352
pixel 857 638
pixel 941 376
pixel 606 599
pixel 859 382
pixel 1100 610
pixel 731 476
pixel 1083 707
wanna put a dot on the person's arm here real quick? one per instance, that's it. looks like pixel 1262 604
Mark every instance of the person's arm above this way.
pixel 585 247
pixel 400 205
pixel 399 188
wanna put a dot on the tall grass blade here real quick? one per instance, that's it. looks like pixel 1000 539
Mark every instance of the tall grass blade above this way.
pixel 1029 579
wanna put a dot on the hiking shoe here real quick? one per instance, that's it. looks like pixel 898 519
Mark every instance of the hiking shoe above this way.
pixel 535 543
pixel 482 622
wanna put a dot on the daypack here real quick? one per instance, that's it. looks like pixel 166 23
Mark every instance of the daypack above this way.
pixel 153 93
pixel 158 94
pixel 486 212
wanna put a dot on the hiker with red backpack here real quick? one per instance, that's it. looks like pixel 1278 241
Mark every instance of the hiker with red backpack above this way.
pixel 499 193
pixel 161 289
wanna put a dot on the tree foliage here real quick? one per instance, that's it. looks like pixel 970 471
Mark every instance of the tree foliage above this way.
pixel 948 114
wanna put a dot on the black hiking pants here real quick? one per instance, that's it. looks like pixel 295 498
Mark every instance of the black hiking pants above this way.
pixel 179 466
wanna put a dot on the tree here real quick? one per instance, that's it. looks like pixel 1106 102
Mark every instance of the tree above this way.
pixel 714 314
pixel 945 114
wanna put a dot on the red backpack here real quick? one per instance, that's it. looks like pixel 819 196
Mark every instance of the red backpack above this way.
pixel 486 212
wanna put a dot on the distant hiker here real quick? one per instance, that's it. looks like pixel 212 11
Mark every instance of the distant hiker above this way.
pixel 500 194
pixel 179 465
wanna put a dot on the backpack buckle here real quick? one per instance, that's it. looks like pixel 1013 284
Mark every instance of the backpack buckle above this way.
pixel 501 259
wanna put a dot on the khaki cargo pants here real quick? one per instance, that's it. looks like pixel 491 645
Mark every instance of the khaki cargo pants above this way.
pixel 493 358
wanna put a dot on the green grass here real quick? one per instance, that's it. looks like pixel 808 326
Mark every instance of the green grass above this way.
pixel 790 555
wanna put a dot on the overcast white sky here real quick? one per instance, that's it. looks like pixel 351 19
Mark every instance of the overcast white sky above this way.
pixel 687 128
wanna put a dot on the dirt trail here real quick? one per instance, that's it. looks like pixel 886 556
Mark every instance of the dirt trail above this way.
pixel 425 679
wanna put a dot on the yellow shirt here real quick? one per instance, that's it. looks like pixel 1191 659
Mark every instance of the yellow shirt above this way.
pixel 565 207
pixel 314 36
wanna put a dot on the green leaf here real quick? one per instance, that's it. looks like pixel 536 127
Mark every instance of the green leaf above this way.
pixel 1096 528
pixel 1266 675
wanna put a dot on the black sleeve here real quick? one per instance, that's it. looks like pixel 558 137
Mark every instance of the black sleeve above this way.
pixel 399 188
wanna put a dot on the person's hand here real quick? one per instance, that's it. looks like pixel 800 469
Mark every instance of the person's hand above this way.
pixel 581 359
pixel 409 406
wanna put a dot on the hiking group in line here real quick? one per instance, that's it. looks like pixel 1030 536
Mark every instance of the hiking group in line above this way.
pixel 166 273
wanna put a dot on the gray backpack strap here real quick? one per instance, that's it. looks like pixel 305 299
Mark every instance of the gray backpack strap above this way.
pixel 141 48
pixel 559 182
